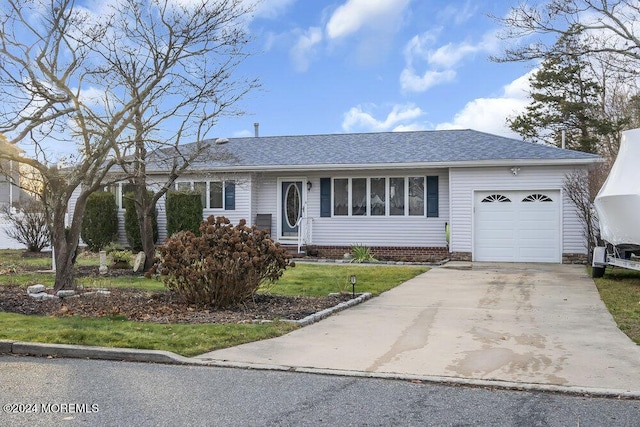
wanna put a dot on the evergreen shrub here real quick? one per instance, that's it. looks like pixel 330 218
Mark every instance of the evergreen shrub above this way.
pixel 131 224
pixel 100 221
pixel 184 211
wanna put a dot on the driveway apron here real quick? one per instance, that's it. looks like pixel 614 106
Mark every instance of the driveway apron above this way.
pixel 529 323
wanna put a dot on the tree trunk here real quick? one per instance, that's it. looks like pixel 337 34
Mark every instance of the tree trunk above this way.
pixel 146 237
pixel 65 254
pixel 65 273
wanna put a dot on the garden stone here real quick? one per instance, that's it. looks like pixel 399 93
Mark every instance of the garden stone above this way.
pixel 35 289
pixel 66 293
pixel 103 263
pixel 138 264
pixel 42 296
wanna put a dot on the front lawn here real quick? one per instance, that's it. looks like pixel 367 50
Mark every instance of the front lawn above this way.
pixel 321 279
pixel 620 291
pixel 184 339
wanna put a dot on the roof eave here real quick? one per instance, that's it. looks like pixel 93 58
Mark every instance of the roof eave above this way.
pixel 409 165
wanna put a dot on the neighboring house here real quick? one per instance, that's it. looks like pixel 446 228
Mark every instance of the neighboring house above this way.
pixel 396 193
pixel 10 193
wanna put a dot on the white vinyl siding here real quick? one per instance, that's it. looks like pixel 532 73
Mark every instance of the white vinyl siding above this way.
pixel 464 181
pixel 367 230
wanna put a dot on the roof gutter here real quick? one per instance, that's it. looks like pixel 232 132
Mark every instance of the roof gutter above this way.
pixel 411 165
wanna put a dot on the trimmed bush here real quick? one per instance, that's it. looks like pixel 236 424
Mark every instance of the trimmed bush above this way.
pixel 100 221
pixel 225 265
pixel 184 211
pixel 131 225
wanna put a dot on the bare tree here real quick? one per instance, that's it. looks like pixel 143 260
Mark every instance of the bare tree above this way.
pixel 43 72
pixel 605 26
pixel 178 62
pixel 111 86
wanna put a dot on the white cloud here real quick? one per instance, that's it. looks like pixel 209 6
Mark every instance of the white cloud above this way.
pixel 441 62
pixel 401 118
pixel 490 114
pixel 356 14
pixel 93 96
pixel 458 15
pixel 410 81
pixel 272 8
pixel 305 48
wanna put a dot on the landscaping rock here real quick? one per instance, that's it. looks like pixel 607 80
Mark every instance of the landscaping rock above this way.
pixel 65 293
pixel 35 289
pixel 138 264
pixel 42 296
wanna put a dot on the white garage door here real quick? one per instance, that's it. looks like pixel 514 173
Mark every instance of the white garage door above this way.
pixel 517 226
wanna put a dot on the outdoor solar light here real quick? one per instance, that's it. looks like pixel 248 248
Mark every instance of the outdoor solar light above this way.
pixel 353 281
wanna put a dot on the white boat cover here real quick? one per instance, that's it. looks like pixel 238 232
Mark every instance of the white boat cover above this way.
pixel 618 201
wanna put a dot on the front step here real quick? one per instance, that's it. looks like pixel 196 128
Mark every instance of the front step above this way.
pixel 293 250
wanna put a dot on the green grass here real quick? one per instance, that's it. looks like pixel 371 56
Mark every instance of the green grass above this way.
pixel 184 339
pixel 322 279
pixel 14 258
pixel 620 291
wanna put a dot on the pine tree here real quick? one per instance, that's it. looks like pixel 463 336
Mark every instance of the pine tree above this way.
pixel 565 97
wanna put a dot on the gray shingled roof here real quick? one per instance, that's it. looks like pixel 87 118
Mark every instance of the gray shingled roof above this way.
pixel 389 148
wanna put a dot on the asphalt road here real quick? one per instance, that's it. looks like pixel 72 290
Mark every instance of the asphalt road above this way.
pixel 71 392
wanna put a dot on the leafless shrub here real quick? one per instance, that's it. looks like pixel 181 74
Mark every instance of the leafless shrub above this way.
pixel 29 224
pixel 581 187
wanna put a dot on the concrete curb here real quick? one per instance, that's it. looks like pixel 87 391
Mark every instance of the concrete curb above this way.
pixel 452 381
pixel 323 314
pixel 18 348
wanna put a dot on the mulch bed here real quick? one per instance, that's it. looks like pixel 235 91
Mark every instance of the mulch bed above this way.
pixel 162 306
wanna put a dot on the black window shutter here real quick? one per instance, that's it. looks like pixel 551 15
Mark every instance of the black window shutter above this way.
pixel 229 195
pixel 325 197
pixel 432 196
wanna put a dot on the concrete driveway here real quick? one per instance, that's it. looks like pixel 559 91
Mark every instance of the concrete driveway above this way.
pixel 524 323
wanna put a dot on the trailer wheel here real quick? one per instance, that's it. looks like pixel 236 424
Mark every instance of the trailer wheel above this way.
pixel 597 272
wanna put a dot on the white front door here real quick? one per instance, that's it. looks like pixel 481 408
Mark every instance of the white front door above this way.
pixel 517 226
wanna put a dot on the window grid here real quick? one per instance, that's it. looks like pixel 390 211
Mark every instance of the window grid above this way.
pixel 207 197
pixel 387 196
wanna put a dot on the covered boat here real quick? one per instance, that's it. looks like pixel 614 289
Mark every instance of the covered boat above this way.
pixel 618 202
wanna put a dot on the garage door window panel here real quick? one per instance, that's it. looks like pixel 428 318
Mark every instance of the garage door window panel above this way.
pixel 537 198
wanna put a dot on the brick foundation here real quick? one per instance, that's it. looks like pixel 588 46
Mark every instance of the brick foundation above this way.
pixel 574 258
pixel 460 256
pixel 385 253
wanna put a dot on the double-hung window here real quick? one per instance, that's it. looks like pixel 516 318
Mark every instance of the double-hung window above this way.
pixel 214 194
pixel 383 196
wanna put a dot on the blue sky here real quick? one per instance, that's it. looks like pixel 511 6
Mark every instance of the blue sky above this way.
pixel 377 65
